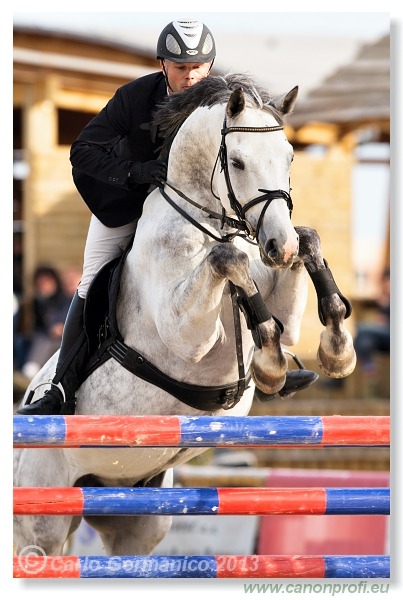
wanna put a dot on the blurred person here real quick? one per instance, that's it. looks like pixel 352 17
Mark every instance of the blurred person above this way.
pixel 20 342
pixel 50 307
pixel 71 277
pixel 374 337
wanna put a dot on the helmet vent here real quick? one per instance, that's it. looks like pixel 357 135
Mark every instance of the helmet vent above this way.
pixel 172 45
pixel 208 44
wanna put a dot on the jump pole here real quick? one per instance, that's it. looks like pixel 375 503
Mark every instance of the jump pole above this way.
pixel 201 501
pixel 85 431
pixel 202 567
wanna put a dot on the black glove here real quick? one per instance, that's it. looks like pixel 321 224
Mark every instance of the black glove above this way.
pixel 153 171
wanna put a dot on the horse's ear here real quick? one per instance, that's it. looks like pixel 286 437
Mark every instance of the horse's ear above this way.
pixel 286 103
pixel 236 103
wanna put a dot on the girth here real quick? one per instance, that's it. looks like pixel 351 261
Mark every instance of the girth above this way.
pixel 204 398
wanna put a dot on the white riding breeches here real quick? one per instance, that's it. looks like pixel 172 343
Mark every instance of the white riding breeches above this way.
pixel 103 245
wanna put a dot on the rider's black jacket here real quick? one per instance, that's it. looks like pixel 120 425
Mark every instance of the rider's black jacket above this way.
pixel 103 152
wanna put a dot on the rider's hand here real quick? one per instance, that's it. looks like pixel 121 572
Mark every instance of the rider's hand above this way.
pixel 153 171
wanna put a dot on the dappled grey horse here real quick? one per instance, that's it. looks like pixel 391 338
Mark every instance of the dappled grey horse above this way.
pixel 213 286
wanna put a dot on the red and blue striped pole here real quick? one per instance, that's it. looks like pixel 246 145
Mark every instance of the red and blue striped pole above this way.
pixel 179 431
pixel 201 501
pixel 211 567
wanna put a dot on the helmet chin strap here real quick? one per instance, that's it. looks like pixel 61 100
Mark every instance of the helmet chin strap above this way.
pixel 166 76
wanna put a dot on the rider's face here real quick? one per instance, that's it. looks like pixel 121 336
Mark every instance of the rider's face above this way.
pixel 184 75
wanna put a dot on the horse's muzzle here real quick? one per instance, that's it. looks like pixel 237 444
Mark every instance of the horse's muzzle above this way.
pixel 279 256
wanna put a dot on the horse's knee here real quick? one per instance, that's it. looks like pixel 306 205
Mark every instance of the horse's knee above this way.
pixel 228 262
pixel 309 243
pixel 137 535
pixel 41 535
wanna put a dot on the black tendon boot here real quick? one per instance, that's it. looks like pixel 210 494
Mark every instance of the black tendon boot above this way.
pixel 60 398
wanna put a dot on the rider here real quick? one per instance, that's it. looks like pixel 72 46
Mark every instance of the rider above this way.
pixel 114 163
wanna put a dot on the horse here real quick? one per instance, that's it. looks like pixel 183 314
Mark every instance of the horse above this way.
pixel 212 290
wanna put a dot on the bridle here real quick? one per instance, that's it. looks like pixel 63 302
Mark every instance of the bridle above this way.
pixel 269 196
pixel 240 224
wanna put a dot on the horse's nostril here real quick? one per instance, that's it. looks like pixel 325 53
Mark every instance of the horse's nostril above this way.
pixel 271 249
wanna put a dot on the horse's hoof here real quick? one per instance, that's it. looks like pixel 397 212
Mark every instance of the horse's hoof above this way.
pixel 336 368
pixel 266 385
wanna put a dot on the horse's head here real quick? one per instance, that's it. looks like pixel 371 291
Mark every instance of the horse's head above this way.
pixel 253 181
pixel 251 178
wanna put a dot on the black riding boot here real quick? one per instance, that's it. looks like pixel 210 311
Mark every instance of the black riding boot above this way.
pixel 73 352
pixel 294 382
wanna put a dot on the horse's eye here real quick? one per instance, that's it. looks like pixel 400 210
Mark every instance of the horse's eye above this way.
pixel 237 164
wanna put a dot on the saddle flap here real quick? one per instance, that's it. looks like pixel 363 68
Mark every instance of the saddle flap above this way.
pixel 96 309
pixel 100 305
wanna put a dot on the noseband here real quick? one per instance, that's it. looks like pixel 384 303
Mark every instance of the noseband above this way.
pixel 268 195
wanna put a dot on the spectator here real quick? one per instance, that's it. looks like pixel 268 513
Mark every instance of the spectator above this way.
pixel 50 307
pixel 71 277
pixel 374 337
pixel 19 339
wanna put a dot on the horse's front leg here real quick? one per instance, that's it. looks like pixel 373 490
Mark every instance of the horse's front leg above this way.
pixel 191 322
pixel 269 364
pixel 336 354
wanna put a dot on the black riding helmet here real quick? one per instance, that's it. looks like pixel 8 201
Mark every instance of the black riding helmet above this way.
pixel 185 42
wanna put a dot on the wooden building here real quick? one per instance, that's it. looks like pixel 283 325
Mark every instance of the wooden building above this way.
pixel 60 82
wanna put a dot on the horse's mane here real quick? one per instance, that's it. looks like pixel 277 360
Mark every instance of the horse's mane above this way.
pixel 176 108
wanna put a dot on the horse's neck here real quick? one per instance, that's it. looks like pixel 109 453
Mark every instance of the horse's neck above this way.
pixel 193 156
